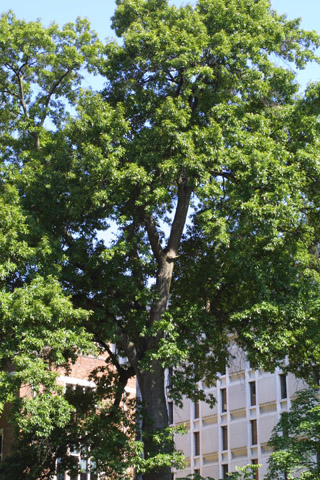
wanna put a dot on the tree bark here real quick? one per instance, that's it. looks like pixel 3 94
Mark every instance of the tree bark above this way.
pixel 155 418
pixel 151 381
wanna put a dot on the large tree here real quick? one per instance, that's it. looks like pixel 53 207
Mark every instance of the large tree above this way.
pixel 201 159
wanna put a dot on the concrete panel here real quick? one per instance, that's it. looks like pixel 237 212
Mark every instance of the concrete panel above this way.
pixel 183 442
pixel 182 414
pixel 206 410
pixel 294 384
pixel 209 439
pixel 264 467
pixel 238 463
pixel 266 389
pixel 236 398
pixel 183 474
pixel 210 471
pixel 265 426
pixel 238 434
pixel 238 363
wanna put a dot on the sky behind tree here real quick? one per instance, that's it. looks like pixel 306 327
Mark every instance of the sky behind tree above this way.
pixel 99 13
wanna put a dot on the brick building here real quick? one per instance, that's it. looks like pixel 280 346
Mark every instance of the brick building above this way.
pixel 77 377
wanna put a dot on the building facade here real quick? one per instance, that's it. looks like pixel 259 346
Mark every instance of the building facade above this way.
pixel 78 377
pixel 236 431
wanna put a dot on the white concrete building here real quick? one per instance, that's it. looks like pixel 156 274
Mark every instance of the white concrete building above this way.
pixel 237 430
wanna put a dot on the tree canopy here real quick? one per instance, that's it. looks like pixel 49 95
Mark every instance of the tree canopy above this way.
pixel 202 159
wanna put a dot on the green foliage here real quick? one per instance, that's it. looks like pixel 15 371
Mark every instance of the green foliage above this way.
pixel 242 473
pixel 161 457
pixel 40 71
pixel 296 439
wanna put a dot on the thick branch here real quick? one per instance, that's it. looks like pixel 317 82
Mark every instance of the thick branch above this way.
pixel 180 85
pixel 228 175
pixel 51 93
pixel 112 355
pixel 180 218
pixel 154 238
pixel 130 350
pixel 23 103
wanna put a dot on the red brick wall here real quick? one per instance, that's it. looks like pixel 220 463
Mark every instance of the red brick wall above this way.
pixel 80 370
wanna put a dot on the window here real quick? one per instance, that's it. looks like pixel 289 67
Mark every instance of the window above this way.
pixel 60 475
pixel 86 466
pixel 196 410
pixel 170 412
pixel 223 393
pixel 196 471
pixel 224 431
pixel 283 385
pixel 254 461
pixel 253 396
pixel 84 469
pixel 225 471
pixel 254 433
pixel 93 474
pixel 196 442
pixel 74 452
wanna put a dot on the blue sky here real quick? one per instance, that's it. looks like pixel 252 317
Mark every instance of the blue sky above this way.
pixel 100 11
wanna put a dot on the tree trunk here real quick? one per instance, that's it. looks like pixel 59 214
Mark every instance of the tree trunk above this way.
pixel 155 418
pixel 151 381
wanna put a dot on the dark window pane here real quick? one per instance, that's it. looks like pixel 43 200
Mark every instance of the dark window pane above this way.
pixel 223 393
pixel 283 385
pixel 254 433
pixel 60 474
pixel 170 412
pixel 196 409
pixel 93 474
pixel 253 397
pixel 224 431
pixel 196 440
pixel 256 474
pixel 84 469
pixel 225 470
